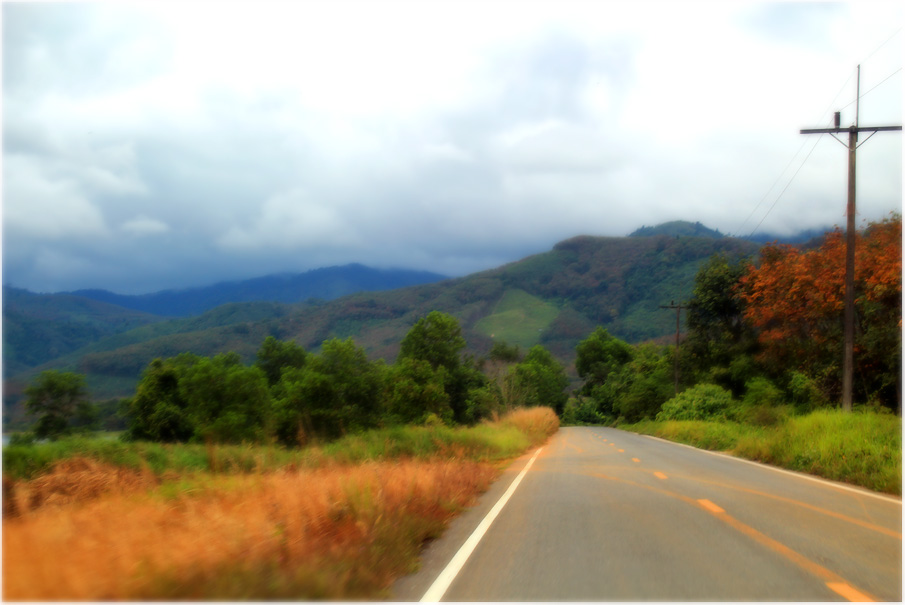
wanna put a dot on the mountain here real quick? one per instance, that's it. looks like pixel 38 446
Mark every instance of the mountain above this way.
pixel 555 298
pixel 326 283
pixel 678 229
pixel 40 327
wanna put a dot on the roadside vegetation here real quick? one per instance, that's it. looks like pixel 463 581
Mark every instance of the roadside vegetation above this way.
pixel 111 520
pixel 759 371
pixel 319 475
pixel 301 476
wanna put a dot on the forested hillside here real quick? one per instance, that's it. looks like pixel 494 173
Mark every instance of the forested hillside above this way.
pixel 555 299
pixel 40 327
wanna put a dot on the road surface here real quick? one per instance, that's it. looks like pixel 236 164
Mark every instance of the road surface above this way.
pixel 605 515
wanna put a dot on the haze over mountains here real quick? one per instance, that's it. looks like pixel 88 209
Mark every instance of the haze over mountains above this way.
pixel 555 298
pixel 325 283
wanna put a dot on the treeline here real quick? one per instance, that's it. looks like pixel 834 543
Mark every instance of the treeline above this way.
pixel 764 339
pixel 293 397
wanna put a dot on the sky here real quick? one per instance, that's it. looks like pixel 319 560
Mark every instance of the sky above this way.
pixel 177 144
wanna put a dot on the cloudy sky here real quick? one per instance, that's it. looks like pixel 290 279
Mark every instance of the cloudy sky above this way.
pixel 166 145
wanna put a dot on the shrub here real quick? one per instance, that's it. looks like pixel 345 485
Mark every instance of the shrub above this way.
pixel 804 393
pixel 700 402
pixel 763 415
pixel 761 392
pixel 583 411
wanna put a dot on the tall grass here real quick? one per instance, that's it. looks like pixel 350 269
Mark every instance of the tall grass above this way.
pixel 341 532
pixel 496 440
pixel 318 527
pixel 861 448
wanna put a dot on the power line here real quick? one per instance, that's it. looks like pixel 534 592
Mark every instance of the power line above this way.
pixel 874 51
pixel 784 170
pixel 786 187
pixel 875 86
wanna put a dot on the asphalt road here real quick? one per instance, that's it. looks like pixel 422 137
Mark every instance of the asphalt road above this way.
pixel 606 515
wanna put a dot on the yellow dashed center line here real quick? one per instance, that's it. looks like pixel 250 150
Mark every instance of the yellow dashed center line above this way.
pixel 621 451
pixel 832 580
pixel 711 506
pixel 635 460
pixel 659 475
pixel 848 592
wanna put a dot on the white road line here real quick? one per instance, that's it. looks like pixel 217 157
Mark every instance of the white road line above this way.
pixel 837 485
pixel 446 577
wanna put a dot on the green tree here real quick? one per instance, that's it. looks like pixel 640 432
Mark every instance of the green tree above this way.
pixel 336 392
pixel 718 334
pixel 60 401
pixel 598 356
pixel 503 351
pixel 227 401
pixel 639 388
pixel 275 355
pixel 437 339
pixel 414 390
pixel 159 411
pixel 543 378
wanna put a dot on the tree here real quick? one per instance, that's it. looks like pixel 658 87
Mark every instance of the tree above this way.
pixel 275 355
pixel 227 401
pixel 335 392
pixel 641 386
pixel 543 379
pixel 60 401
pixel 718 334
pixel 437 339
pixel 159 411
pixel 414 391
pixel 598 356
pixel 795 300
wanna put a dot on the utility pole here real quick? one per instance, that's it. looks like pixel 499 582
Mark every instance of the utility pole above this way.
pixel 849 317
pixel 678 308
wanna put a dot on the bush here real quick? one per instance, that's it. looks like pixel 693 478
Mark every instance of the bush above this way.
pixel 763 415
pixel 583 411
pixel 804 393
pixel 700 402
pixel 761 392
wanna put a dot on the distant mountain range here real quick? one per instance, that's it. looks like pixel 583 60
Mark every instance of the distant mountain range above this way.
pixel 40 327
pixel 327 283
pixel 555 299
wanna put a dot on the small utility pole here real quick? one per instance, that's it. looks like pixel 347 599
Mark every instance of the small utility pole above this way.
pixel 849 318
pixel 672 305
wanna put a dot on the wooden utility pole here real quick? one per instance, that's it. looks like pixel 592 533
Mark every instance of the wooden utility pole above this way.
pixel 678 308
pixel 849 318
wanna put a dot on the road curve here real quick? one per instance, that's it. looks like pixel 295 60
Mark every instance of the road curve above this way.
pixel 606 515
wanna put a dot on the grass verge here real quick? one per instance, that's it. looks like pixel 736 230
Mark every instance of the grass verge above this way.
pixel 337 522
pixel 861 448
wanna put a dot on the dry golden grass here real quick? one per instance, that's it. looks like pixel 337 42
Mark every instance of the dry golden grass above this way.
pixel 92 531
pixel 70 481
pixel 341 532
pixel 538 423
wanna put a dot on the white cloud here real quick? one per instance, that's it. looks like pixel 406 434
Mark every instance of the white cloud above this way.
pixel 449 135
pixel 292 220
pixel 142 225
pixel 37 205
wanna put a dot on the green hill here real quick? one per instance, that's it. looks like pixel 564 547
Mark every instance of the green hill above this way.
pixel 555 299
pixel 40 327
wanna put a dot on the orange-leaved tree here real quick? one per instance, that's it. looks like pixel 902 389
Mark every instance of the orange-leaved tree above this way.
pixel 795 298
